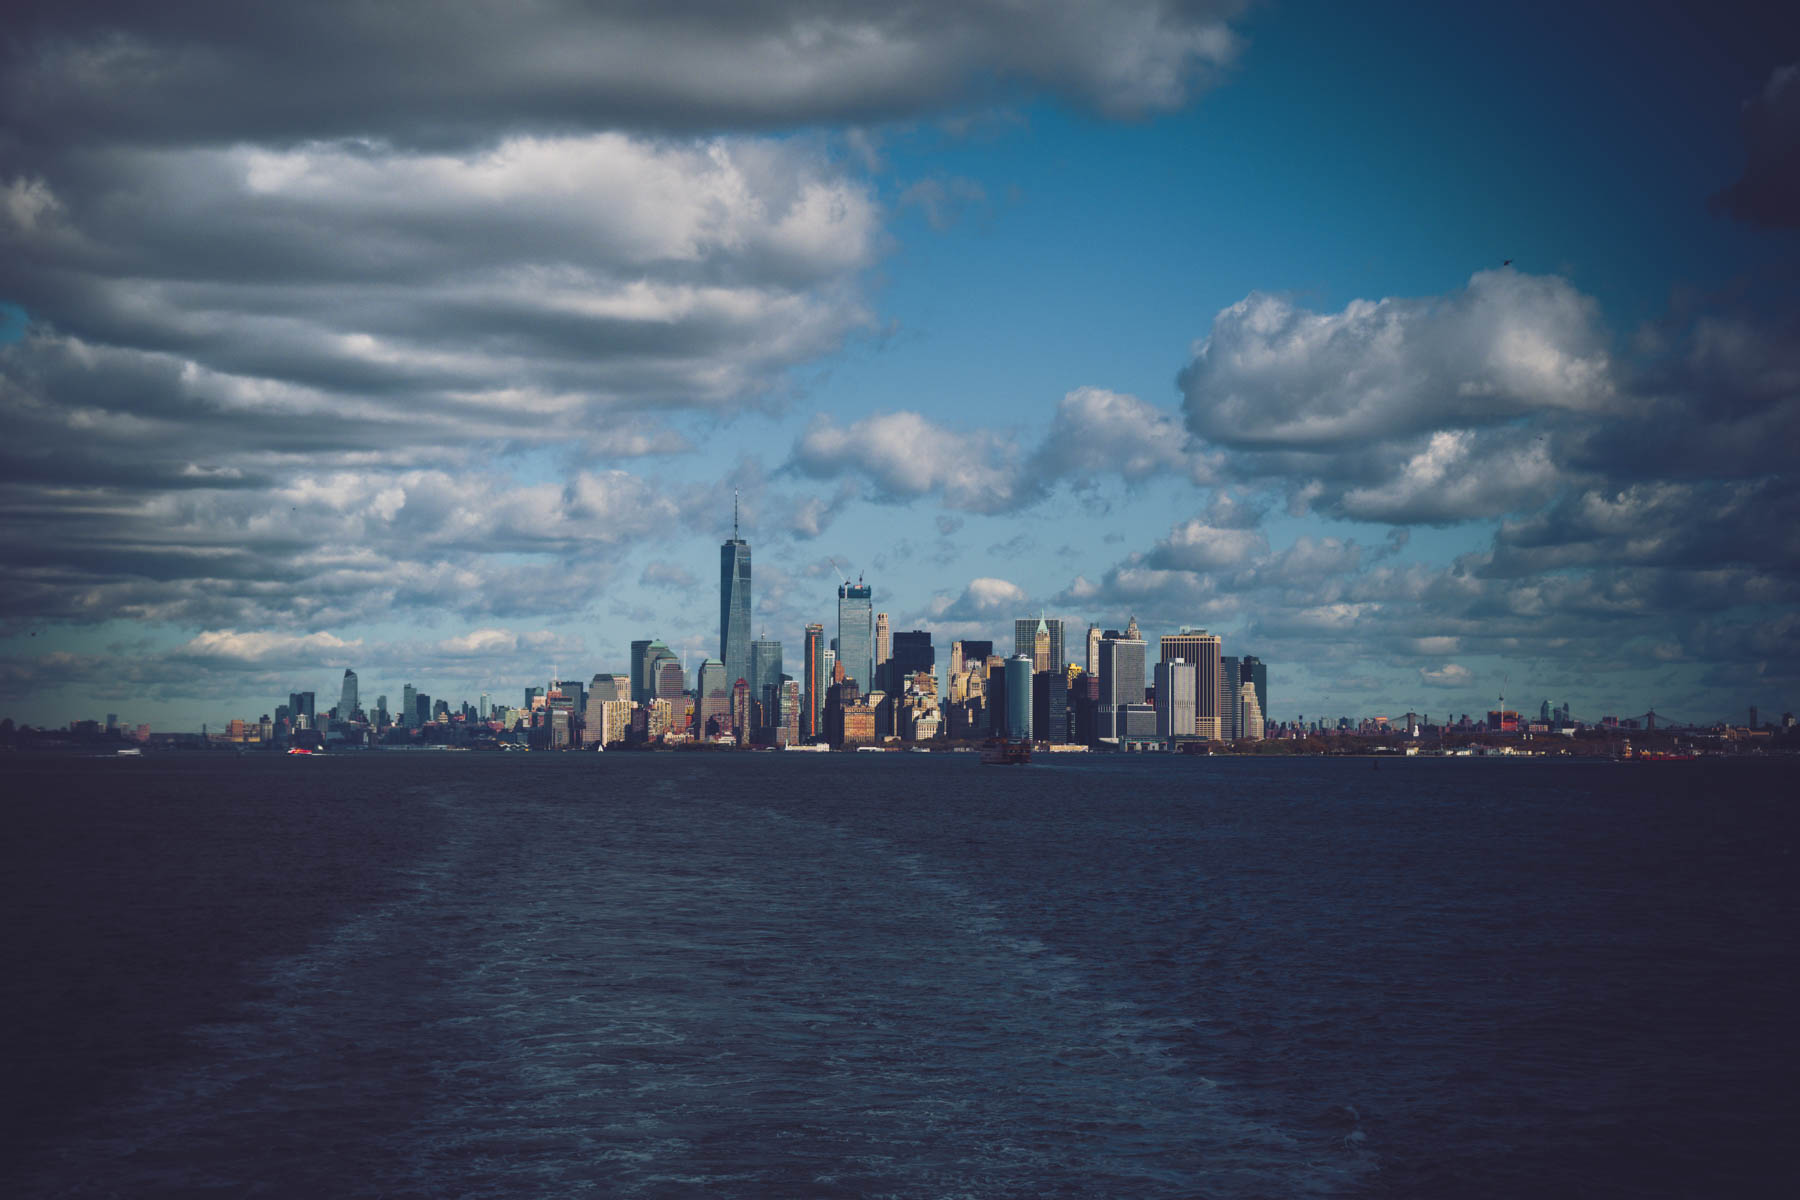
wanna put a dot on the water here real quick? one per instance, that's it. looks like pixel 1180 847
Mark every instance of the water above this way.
pixel 669 975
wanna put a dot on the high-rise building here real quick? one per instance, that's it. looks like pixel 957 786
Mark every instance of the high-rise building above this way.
pixel 856 633
pixel 1029 632
pixel 487 706
pixel 606 687
pixel 1018 696
pixel 712 699
pixel 734 604
pixel 641 677
pixel 912 654
pixel 787 724
pixel 1202 649
pixel 1050 706
pixel 765 673
pixel 1252 670
pixel 1253 715
pixel 1093 651
pixel 1121 680
pixel 817 675
pixel 884 650
pixel 409 706
pixel 1231 710
pixel 671 682
pixel 302 704
pixel 348 702
pixel 646 669
pixel 1176 683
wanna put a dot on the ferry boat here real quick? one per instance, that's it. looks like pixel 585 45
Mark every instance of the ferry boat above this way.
pixel 1001 753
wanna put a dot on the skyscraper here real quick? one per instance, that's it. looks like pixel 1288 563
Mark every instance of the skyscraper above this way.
pixel 1254 671
pixel 734 604
pixel 1253 717
pixel 814 683
pixel 1026 634
pixel 1093 651
pixel 1018 697
pixel 347 698
pixel 712 699
pixel 409 706
pixel 765 673
pixel 1121 680
pixel 884 650
pixel 1202 649
pixel 1175 683
pixel 912 654
pixel 856 633
pixel 1231 711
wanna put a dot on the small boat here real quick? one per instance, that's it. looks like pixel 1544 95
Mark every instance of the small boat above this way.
pixel 999 752
pixel 301 750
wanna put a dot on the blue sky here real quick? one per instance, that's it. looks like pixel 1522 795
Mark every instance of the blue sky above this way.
pixel 1190 313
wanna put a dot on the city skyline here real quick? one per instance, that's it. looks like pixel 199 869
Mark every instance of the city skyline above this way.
pixel 1483 384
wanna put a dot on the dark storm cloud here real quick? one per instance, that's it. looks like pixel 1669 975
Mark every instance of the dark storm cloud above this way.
pixel 432 74
pixel 1768 192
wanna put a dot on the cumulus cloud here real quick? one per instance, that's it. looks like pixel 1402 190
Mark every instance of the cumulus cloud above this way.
pixel 1272 375
pixel 1767 194
pixel 1450 675
pixel 1095 432
pixel 903 455
pixel 1197 546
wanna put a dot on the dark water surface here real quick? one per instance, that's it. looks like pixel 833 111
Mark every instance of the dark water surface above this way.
pixel 692 975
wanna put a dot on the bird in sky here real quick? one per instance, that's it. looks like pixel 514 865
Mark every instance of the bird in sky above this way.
pixel 1507 263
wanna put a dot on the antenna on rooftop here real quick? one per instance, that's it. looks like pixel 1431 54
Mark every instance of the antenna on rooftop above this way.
pixel 734 513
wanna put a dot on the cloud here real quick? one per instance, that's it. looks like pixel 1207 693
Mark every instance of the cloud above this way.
pixel 1767 194
pixel 1095 432
pixel 668 576
pixel 944 201
pixel 225 647
pixel 901 456
pixel 1271 375
pixel 414 73
pixel 1197 546
pixel 984 599
pixel 1450 675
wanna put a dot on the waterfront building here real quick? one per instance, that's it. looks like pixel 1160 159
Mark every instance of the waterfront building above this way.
pixel 1176 685
pixel 1252 709
pixel 740 710
pixel 787 723
pixel 765 680
pixel 348 702
pixel 856 633
pixel 811 727
pixel 734 603
pixel 1203 650
pixel 1018 696
pixel 1252 670
pixel 1121 679
pixel 1231 710
pixel 1137 722
pixel 712 699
